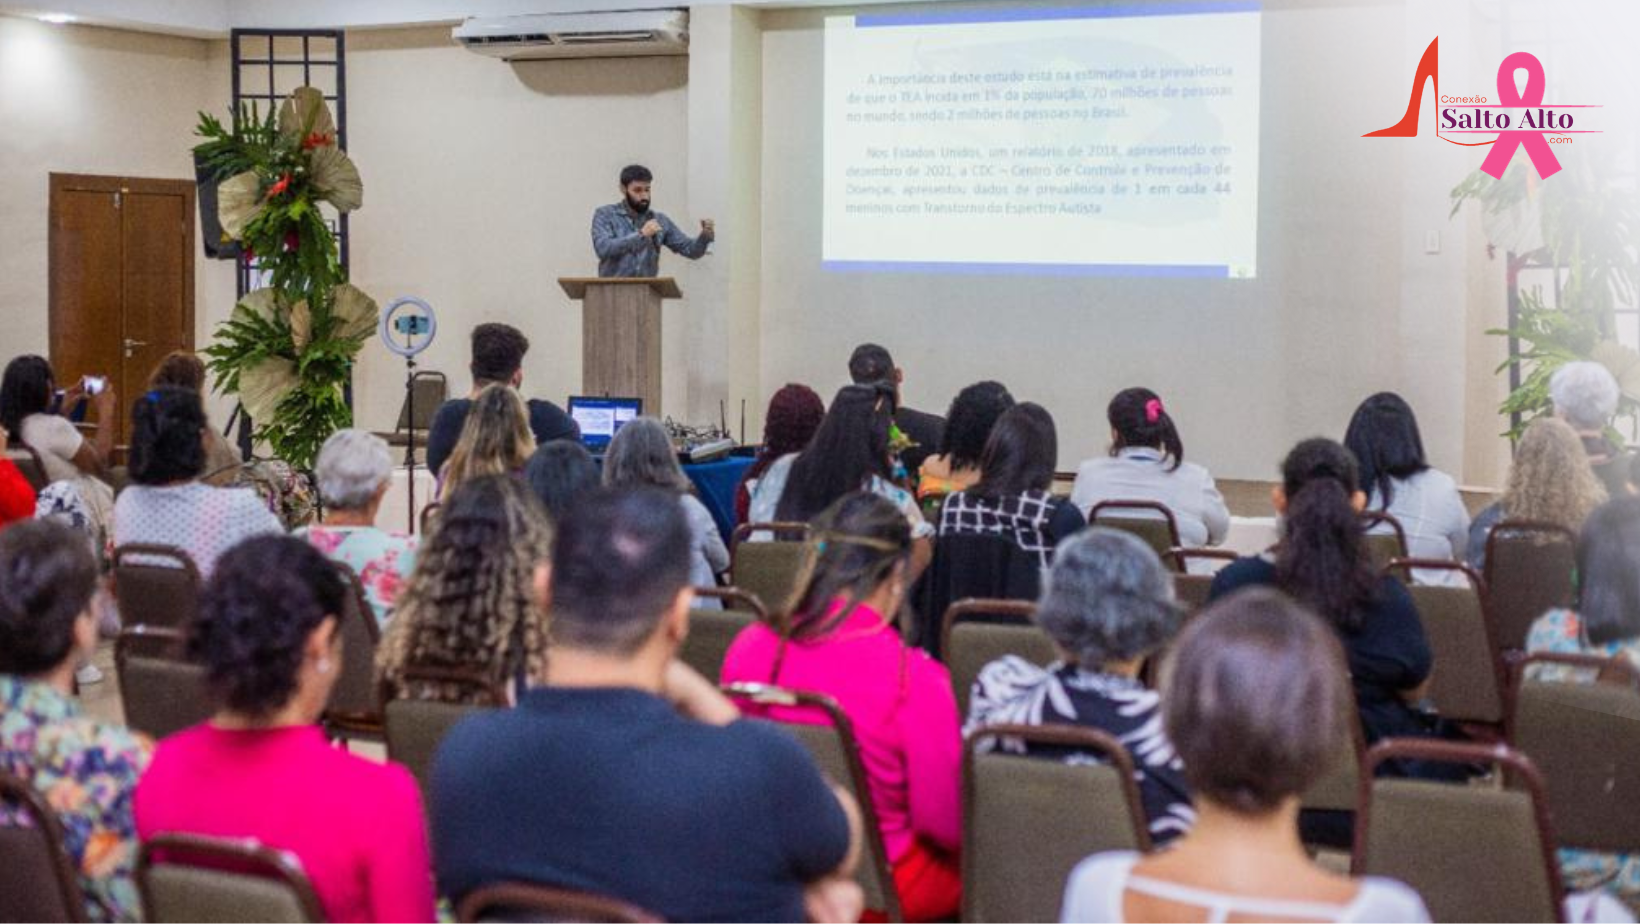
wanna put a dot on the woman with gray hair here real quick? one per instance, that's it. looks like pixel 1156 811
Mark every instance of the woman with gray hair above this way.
pixel 1585 395
pixel 353 471
pixel 1107 604
pixel 642 455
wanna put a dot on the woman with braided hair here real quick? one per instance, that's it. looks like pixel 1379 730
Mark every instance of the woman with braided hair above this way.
pixel 470 603
pixel 842 640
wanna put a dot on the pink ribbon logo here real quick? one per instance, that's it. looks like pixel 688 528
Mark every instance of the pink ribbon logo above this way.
pixel 1543 158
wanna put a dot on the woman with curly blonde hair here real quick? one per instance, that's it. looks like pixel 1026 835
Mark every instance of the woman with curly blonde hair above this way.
pixel 495 439
pixel 1550 482
pixel 470 604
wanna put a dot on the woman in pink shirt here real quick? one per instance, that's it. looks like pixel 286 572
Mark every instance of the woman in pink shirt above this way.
pixel 843 642
pixel 261 767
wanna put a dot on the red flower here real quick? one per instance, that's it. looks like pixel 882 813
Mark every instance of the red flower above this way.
pixel 317 140
pixel 279 187
pixel 292 240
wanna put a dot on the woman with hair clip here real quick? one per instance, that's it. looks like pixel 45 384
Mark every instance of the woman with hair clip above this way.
pixel 1322 562
pixel 470 602
pixel 1146 462
pixel 1383 436
pixel 166 503
pixel 842 641
pixel 495 440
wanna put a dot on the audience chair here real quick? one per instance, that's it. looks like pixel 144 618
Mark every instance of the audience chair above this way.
pixel 1474 853
pixel 1529 569
pixel 964 566
pixel 1383 547
pixel 430 390
pixel 163 692
pixel 769 570
pixel 1027 821
pixel 40 881
pixel 1469 682
pixel 833 746
pixel 156 585
pixel 1148 520
pixel 711 632
pixel 185 878
pixel 355 710
pixel 1191 588
pixel 1584 736
pixel 1330 802
pixel 28 462
pixel 976 632
pixel 414 727
pixel 526 901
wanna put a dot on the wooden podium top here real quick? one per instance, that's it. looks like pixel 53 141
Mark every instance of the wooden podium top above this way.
pixel 576 286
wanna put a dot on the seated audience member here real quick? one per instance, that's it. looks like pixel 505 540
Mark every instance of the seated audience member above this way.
pixel 967 427
pixel 794 414
pixel 843 641
pixel 653 790
pixel 1108 606
pixel 469 602
pixel 1549 482
pixel 261 767
pixel 354 471
pixel 16 494
pixel 1012 500
pixel 1606 623
pixel 1383 436
pixel 641 455
pixel 497 359
pixel 560 474
pixel 1322 562
pixel 850 452
pixel 1253 701
pixel 495 440
pixel 870 364
pixel 1147 463
pixel 84 769
pixel 182 369
pixel 31 414
pixel 165 504
pixel 1585 395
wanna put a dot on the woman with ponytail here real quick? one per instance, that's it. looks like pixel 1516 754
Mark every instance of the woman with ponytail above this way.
pixel 1322 562
pixel 842 640
pixel 1146 462
pixel 166 504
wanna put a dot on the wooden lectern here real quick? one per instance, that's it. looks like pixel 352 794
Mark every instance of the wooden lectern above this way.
pixel 621 336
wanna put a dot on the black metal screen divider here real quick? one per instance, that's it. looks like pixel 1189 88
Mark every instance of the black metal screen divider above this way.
pixel 270 100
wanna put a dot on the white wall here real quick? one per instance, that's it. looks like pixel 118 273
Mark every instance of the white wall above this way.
pixel 1345 303
pixel 75 99
pixel 480 180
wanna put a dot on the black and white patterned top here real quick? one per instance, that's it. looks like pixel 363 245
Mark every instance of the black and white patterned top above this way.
pixel 1036 521
pixel 1014 691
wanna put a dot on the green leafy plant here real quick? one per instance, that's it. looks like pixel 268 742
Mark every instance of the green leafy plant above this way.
pixel 287 350
pixel 1579 226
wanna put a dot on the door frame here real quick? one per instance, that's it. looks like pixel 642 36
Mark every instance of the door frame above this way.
pixel 62 183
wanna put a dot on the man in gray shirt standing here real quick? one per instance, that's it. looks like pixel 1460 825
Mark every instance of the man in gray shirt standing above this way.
pixel 628 237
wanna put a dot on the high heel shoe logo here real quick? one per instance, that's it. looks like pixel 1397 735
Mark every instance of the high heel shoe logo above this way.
pixel 1509 97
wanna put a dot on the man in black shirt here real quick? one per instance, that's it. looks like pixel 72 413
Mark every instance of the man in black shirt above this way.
pixel 498 359
pixel 627 774
pixel 870 364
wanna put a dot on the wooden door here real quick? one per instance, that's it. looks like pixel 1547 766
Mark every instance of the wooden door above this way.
pixel 122 279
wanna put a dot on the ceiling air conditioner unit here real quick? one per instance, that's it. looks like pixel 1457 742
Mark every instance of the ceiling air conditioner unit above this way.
pixel 621 34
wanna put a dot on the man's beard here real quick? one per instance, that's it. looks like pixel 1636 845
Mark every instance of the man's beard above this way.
pixel 637 205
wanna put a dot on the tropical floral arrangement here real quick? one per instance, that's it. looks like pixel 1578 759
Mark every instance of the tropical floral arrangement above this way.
pixel 287 349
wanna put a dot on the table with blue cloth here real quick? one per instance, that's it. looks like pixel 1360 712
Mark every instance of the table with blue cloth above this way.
pixel 715 484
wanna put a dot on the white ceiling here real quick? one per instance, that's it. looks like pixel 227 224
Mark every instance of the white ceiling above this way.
pixel 213 18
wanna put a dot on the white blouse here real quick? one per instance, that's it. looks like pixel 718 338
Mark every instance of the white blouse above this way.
pixel 1140 473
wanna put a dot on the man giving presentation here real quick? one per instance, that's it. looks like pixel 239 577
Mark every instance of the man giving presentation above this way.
pixel 628 237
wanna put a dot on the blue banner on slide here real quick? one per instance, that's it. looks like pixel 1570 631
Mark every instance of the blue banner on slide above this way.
pixel 1036 14
pixel 1030 269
